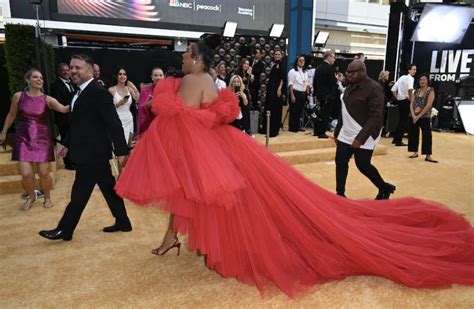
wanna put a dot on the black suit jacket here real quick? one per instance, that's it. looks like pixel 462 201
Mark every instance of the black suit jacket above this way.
pixel 324 82
pixel 94 126
pixel 258 68
pixel 60 92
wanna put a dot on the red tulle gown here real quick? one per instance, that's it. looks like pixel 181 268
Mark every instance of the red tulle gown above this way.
pixel 259 220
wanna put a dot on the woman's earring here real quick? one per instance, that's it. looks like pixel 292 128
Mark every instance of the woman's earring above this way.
pixel 194 62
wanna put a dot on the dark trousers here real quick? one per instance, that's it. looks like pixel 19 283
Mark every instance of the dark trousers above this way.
pixel 87 176
pixel 296 110
pixel 344 153
pixel 414 136
pixel 404 109
pixel 273 104
pixel 246 119
pixel 321 122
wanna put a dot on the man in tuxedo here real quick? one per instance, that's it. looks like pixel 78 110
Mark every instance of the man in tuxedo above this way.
pixel 63 90
pixel 324 89
pixel 258 67
pixel 94 126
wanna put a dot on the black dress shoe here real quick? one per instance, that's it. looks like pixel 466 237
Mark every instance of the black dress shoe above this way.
pixel 401 144
pixel 118 228
pixel 55 234
pixel 323 136
pixel 384 194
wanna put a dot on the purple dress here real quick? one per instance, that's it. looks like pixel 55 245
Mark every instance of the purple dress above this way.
pixel 32 139
pixel 145 115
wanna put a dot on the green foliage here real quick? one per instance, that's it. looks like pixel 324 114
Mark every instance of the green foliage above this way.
pixel 19 53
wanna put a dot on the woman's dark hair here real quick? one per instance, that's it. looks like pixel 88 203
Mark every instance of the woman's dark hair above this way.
pixel 427 78
pixel 295 65
pixel 205 48
pixel 116 73
pixel 242 62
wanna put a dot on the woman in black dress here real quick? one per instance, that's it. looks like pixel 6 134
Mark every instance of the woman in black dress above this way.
pixel 274 102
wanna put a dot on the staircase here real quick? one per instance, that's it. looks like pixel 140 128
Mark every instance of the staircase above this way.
pixel 303 148
pixel 10 179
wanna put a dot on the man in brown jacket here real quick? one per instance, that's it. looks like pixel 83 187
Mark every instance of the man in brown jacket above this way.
pixel 358 129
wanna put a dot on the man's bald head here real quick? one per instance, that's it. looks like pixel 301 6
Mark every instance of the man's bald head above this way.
pixel 356 71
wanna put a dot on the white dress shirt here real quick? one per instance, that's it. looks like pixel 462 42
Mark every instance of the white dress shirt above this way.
pixel 220 83
pixel 298 79
pixel 81 88
pixel 402 87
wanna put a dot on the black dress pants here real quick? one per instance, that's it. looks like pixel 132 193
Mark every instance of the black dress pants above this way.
pixel 296 110
pixel 245 109
pixel 273 104
pixel 87 176
pixel 414 136
pixel 322 121
pixel 404 109
pixel 344 153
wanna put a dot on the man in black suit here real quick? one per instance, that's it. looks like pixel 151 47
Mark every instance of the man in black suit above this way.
pixel 258 67
pixel 94 126
pixel 324 88
pixel 63 90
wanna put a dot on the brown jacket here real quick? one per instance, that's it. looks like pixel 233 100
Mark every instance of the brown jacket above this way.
pixel 365 103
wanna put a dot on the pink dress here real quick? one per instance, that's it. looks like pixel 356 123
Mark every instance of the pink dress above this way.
pixel 33 142
pixel 145 116
pixel 259 220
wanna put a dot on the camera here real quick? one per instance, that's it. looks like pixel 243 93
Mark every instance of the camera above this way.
pixel 237 89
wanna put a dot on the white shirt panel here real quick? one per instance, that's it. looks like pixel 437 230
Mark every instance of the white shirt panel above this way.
pixel 350 129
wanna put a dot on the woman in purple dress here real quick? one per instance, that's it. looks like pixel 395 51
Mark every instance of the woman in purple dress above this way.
pixel 33 143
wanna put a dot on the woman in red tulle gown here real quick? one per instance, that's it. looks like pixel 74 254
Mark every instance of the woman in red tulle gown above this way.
pixel 259 220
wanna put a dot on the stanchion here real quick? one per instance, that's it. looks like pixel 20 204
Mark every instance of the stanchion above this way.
pixel 267 136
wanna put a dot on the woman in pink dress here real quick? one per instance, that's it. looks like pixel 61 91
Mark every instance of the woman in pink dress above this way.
pixel 33 142
pixel 259 220
pixel 145 116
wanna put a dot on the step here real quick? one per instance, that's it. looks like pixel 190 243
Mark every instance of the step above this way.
pixel 9 167
pixel 12 184
pixel 313 143
pixel 318 155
